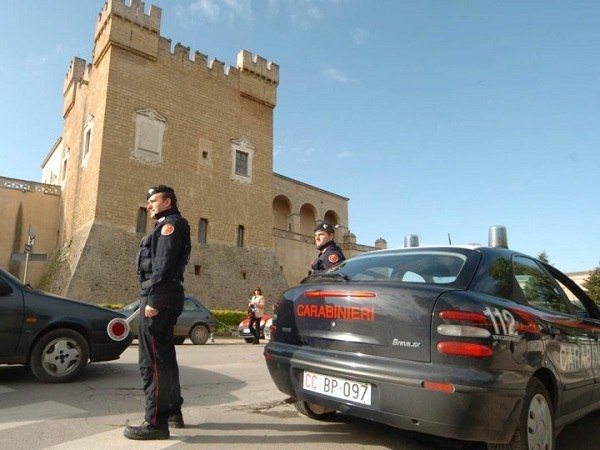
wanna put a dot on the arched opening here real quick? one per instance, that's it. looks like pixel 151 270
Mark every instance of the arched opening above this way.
pixel 281 213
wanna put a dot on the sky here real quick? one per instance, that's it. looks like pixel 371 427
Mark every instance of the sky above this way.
pixel 438 118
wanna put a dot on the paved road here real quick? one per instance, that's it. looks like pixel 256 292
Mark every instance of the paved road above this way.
pixel 230 402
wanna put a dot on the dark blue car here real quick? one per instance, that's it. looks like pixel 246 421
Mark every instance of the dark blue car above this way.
pixel 55 336
pixel 468 342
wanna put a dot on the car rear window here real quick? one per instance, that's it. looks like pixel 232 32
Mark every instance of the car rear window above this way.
pixel 426 267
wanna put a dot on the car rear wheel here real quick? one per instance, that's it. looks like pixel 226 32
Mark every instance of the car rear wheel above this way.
pixel 536 424
pixel 199 334
pixel 178 340
pixel 59 356
pixel 314 411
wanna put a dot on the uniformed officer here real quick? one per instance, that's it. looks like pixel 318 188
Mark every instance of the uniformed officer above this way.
pixel 161 263
pixel 330 254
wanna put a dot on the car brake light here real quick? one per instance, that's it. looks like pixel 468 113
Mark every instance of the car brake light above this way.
pixel 344 294
pixel 463 315
pixel 454 348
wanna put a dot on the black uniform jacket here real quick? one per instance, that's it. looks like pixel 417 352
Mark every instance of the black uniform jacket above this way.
pixel 330 255
pixel 162 258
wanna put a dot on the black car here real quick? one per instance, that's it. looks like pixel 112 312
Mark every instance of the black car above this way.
pixel 195 322
pixel 55 336
pixel 467 342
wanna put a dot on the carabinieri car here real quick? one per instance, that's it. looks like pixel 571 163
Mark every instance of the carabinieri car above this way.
pixel 466 342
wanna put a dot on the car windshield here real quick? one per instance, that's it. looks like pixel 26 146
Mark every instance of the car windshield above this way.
pixel 422 266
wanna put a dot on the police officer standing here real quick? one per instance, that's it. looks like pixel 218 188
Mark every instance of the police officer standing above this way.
pixel 161 263
pixel 330 254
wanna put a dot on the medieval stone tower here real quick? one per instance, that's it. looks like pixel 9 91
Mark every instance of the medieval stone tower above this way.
pixel 142 114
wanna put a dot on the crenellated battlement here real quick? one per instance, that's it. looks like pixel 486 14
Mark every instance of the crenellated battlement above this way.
pixel 77 74
pixel 131 29
pixel 258 66
pixel 127 27
pixel 133 13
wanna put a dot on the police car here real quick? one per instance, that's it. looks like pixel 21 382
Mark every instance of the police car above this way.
pixel 478 343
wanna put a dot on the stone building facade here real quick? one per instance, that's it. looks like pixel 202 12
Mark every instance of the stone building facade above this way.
pixel 142 113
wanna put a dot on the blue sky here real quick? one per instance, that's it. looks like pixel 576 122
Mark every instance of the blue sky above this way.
pixel 435 117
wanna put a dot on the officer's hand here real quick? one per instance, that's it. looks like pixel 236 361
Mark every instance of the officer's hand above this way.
pixel 150 311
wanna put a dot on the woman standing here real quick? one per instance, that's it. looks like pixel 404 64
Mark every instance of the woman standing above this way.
pixel 256 309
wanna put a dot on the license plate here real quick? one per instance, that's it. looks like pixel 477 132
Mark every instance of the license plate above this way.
pixel 337 387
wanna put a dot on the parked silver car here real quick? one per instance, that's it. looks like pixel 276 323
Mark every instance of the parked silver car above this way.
pixel 195 322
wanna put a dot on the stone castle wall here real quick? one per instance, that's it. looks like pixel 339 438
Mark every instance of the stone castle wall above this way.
pixel 207 109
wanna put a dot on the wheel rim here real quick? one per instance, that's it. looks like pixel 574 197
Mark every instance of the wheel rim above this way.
pixel 539 424
pixel 200 334
pixel 61 356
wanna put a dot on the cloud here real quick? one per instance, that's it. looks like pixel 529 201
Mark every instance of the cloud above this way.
pixel 297 153
pixel 41 60
pixel 304 12
pixel 360 36
pixel 333 74
pixel 215 10
pixel 344 155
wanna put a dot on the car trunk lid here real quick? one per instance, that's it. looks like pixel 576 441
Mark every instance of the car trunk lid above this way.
pixel 377 320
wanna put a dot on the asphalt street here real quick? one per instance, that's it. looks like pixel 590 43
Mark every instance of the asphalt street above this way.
pixel 230 402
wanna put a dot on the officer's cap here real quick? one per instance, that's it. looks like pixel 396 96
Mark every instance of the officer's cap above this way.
pixel 324 226
pixel 160 189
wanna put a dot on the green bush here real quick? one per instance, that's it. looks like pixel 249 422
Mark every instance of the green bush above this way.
pixel 228 320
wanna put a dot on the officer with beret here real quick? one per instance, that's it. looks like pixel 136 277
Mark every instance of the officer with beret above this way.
pixel 161 262
pixel 330 254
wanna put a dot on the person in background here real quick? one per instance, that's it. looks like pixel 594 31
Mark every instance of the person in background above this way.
pixel 256 309
pixel 330 254
pixel 161 262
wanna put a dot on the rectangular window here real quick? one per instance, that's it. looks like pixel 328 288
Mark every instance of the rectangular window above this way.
pixel 142 218
pixel 242 159
pixel 149 131
pixel 240 236
pixel 241 163
pixel 202 230
pixel 86 142
pixel 63 174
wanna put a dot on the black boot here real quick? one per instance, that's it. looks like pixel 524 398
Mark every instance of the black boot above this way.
pixel 176 420
pixel 146 432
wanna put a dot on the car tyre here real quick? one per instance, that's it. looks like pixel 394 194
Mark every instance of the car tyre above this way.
pixel 536 424
pixel 199 334
pixel 59 356
pixel 314 411
pixel 178 340
pixel 249 340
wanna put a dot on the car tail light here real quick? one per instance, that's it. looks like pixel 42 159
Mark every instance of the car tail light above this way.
pixel 509 323
pixel 463 331
pixel 464 324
